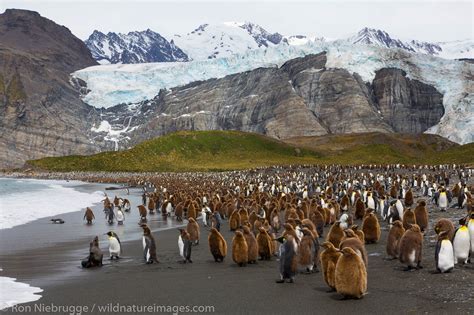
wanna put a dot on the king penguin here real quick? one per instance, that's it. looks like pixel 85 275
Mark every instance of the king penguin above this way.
pixel 287 259
pixel 184 245
pixel 461 243
pixel 115 247
pixel 444 254
pixel 149 245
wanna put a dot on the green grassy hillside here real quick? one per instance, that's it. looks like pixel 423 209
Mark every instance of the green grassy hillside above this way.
pixel 387 148
pixel 231 150
pixel 188 151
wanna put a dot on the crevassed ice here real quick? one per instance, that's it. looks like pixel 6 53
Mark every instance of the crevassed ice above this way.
pixel 114 84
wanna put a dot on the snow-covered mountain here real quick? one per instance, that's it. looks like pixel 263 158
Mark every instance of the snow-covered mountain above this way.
pixel 210 41
pixel 448 50
pixel 134 47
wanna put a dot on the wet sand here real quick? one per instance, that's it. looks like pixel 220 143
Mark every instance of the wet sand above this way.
pixel 54 264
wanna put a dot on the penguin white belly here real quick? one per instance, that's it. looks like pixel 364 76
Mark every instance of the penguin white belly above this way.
pixel 120 216
pixel 381 206
pixel 203 215
pixel 411 258
pixel 443 201
pixel 462 245
pixel 446 256
pixel 181 246
pixel 343 220
pixel 471 234
pixel 299 233
pixel 371 203
pixel 399 208
pixel 114 247
pixel 144 242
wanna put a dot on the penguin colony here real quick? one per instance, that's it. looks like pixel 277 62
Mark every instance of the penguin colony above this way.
pixel 303 217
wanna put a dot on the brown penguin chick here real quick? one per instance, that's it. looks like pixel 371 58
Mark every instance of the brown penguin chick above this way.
pixel 409 198
pixel 151 206
pixel 335 234
pixel 239 249
pixel 264 244
pixel 371 228
pixel 244 216
pixel 394 235
pixel 327 216
pixel 305 254
pixel 408 218
pixel 289 230
pixel 178 212
pixel 252 218
pixel 217 245
pixel 194 230
pixel 358 232
pixel 310 225
pixel 351 240
pixel 276 224
pixel 359 209
pixel 89 215
pixel 328 259
pixel 234 220
pixel 421 215
pixel 351 275
pixel 445 225
pixel 394 191
pixel 410 248
pixel 251 244
pixel 345 203
pixel 192 213
pixel 317 218
pixel 257 225
pixel 142 211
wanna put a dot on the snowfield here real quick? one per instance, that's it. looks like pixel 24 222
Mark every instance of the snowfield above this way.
pixel 115 84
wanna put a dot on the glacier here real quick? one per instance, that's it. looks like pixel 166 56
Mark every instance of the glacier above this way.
pixel 110 85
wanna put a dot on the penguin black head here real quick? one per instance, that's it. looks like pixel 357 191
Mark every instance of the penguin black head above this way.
pixel 111 234
pixel 281 239
pixel 462 221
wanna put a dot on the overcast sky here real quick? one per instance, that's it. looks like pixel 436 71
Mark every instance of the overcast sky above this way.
pixel 424 20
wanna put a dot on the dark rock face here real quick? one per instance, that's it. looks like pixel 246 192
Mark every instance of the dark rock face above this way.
pixel 409 106
pixel 134 47
pixel 301 98
pixel 40 112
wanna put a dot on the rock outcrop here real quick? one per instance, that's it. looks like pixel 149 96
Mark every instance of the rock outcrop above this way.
pixel 408 106
pixel 40 112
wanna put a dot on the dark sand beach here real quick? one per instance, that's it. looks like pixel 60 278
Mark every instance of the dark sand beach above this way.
pixel 48 256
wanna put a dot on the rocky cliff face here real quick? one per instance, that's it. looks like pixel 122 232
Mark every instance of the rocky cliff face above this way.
pixel 301 98
pixel 40 112
pixel 408 106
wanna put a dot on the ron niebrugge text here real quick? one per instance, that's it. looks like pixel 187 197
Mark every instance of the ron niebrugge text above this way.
pixel 110 308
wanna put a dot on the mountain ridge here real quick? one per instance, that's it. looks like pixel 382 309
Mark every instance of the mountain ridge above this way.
pixel 209 41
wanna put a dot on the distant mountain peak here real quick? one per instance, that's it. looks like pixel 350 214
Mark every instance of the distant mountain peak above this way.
pixel 134 47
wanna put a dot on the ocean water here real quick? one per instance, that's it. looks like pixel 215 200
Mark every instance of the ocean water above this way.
pixel 26 200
